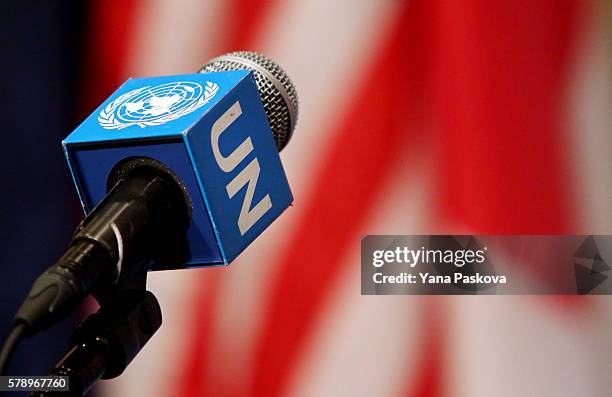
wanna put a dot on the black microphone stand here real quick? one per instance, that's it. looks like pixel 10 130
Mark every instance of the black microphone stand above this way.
pixel 106 342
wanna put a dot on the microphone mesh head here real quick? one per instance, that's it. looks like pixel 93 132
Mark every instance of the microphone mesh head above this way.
pixel 275 88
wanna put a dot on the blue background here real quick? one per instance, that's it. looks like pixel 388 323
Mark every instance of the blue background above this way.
pixel 39 210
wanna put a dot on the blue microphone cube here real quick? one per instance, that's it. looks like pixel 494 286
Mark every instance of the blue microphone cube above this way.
pixel 211 130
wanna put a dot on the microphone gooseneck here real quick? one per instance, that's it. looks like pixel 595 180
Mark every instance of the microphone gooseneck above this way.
pixel 144 207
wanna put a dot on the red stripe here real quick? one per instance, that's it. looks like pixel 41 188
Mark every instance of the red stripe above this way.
pixel 431 366
pixel 193 377
pixel 501 73
pixel 347 187
pixel 499 76
pixel 111 24
pixel 244 21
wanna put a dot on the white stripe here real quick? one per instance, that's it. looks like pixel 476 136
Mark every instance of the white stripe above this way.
pixel 590 119
pixel 174 36
pixel 516 346
pixel 326 47
pixel 369 345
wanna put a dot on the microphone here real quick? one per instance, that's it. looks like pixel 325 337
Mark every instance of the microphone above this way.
pixel 172 172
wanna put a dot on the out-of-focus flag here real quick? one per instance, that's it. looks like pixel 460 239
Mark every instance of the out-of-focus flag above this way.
pixel 415 117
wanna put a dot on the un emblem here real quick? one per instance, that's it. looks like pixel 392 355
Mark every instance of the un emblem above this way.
pixel 156 105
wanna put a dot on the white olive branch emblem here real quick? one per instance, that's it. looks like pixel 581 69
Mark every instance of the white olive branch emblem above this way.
pixel 155 105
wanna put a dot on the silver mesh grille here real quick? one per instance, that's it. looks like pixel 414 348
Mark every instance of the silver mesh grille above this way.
pixel 275 88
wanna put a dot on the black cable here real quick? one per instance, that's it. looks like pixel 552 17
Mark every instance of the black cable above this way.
pixel 10 344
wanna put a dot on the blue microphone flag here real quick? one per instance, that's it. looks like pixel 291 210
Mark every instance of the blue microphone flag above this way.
pixel 211 130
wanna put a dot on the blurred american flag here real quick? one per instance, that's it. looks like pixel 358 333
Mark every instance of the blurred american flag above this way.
pixel 417 117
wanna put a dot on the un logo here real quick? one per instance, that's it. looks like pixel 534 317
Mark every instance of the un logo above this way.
pixel 156 105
